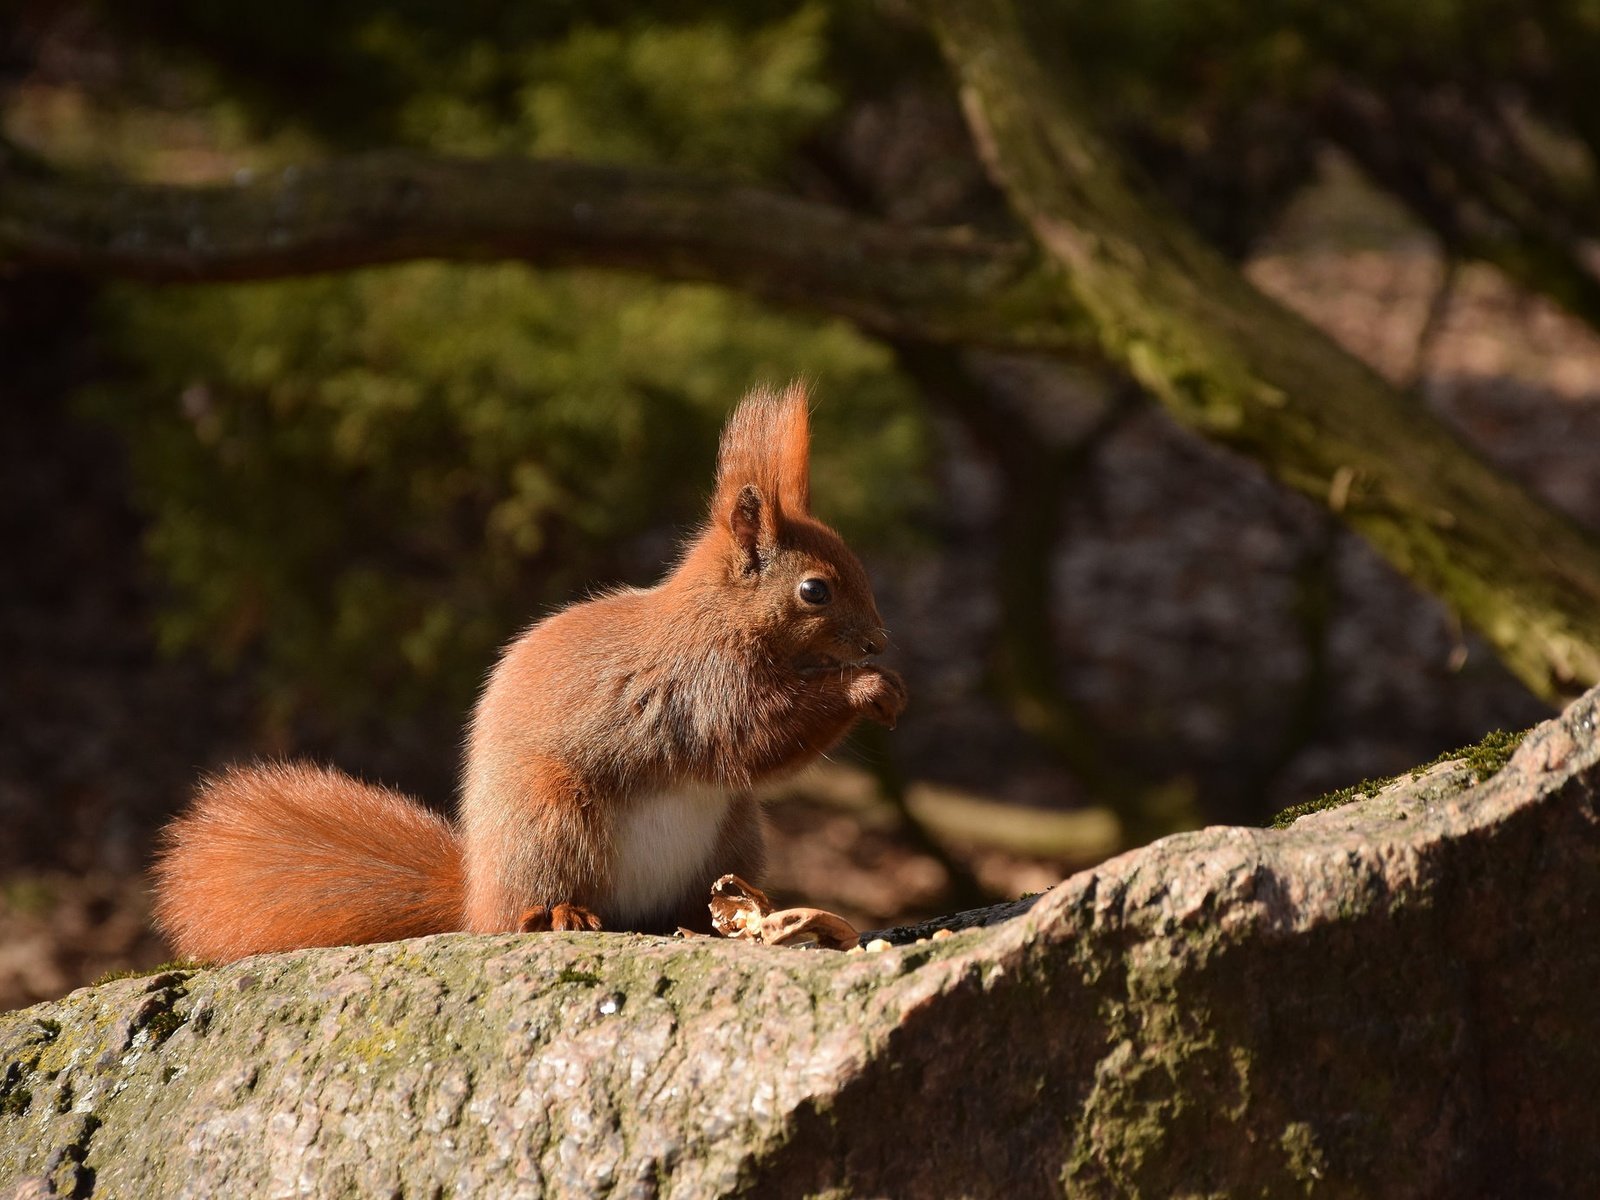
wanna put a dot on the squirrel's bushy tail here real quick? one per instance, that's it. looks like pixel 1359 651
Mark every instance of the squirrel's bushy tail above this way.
pixel 280 856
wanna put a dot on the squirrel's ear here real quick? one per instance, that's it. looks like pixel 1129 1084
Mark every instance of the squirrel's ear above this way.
pixel 767 446
pixel 750 522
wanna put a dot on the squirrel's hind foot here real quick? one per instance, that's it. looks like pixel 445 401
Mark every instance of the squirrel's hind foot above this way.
pixel 558 918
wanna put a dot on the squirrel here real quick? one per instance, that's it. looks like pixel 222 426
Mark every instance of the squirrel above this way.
pixel 610 757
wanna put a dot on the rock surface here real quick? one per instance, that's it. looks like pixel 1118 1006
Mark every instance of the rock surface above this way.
pixel 1393 998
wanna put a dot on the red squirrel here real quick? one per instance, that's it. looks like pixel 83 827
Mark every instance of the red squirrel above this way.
pixel 610 758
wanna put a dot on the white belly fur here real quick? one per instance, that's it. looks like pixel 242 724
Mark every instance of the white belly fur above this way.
pixel 662 846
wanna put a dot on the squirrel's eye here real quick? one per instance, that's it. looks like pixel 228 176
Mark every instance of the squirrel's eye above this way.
pixel 814 591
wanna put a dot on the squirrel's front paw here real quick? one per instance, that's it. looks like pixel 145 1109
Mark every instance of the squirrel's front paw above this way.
pixel 558 917
pixel 879 695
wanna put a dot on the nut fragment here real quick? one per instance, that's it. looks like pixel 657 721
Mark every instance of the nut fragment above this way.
pixel 738 908
pixel 793 926
pixel 877 946
pixel 741 910
pixel 938 935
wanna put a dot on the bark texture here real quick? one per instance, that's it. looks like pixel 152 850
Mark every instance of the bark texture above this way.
pixel 1392 998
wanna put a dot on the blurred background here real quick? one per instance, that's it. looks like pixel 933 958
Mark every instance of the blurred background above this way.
pixel 300 516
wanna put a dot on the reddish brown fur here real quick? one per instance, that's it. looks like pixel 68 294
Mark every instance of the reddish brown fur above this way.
pixel 701 686
pixel 287 855
pixel 767 443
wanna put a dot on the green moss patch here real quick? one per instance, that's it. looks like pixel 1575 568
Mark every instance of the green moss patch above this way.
pixel 1483 759
pixel 186 966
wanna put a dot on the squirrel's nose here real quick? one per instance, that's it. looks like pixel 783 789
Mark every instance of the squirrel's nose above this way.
pixel 874 643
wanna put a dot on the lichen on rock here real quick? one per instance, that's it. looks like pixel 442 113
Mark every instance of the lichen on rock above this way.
pixel 1392 997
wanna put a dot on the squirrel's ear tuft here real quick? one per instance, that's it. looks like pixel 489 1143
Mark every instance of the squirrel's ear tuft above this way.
pixel 792 438
pixel 767 445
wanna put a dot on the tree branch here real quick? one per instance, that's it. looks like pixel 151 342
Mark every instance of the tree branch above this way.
pixel 1118 281
pixel 1227 361
pixel 940 285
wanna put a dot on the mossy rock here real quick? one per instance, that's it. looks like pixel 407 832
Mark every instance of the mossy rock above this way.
pixel 1390 998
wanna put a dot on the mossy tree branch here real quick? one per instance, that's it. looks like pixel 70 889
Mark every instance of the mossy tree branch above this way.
pixel 1118 281
pixel 1240 369
pixel 945 285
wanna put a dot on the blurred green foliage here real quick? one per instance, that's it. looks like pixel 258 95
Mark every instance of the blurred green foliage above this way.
pixel 684 79
pixel 366 483
pixel 372 480
pixel 697 95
